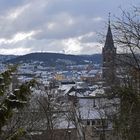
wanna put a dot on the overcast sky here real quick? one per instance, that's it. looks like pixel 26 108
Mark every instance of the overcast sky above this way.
pixel 63 26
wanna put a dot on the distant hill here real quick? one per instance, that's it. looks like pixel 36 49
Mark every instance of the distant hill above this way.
pixel 4 58
pixel 56 58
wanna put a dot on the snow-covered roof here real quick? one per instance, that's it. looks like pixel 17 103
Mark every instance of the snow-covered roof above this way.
pixel 97 92
pixel 91 113
pixel 66 87
pixel 93 87
pixel 63 123
pixel 74 93
pixel 93 72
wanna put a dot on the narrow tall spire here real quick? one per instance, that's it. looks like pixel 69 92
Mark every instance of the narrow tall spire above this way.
pixel 109 59
pixel 109 15
pixel 109 43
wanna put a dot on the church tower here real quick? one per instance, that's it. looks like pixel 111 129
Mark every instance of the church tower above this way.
pixel 109 55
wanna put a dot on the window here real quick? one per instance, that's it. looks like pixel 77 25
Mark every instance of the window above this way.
pixel 88 122
pixel 93 122
pixel 98 122
pixel 94 103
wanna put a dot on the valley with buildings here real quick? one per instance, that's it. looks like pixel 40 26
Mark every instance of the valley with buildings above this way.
pixel 72 99
pixel 66 89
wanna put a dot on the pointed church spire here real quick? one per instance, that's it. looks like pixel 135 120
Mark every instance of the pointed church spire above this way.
pixel 109 43
pixel 109 59
pixel 109 18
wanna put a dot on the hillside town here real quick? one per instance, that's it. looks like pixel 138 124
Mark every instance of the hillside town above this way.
pixel 74 97
pixel 69 104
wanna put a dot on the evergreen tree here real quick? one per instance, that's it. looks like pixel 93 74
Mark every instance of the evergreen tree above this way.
pixel 11 100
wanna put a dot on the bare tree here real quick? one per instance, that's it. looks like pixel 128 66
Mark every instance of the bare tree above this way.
pixel 127 38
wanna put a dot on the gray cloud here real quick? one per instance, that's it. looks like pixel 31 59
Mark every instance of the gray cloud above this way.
pixel 57 24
